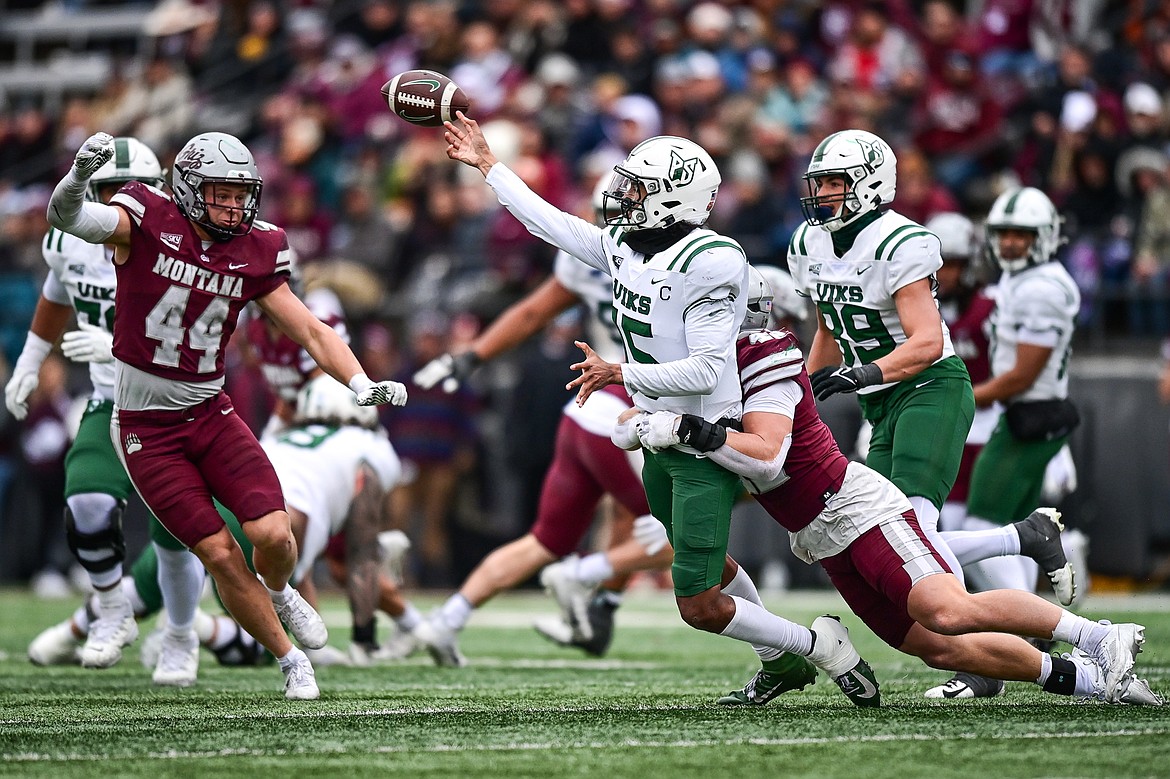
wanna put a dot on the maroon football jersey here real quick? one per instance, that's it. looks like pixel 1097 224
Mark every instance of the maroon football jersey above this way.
pixel 285 365
pixel 969 337
pixel 177 303
pixel 814 465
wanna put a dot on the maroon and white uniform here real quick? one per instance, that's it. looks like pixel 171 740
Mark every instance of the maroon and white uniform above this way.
pixel 178 301
pixel 850 519
pixel 285 363
pixel 971 337
pixel 586 465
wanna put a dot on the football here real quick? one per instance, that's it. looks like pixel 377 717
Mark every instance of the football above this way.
pixel 424 97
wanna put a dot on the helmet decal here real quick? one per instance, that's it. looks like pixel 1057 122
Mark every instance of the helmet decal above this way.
pixel 682 172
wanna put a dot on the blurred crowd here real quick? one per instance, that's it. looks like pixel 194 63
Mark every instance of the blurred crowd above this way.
pixel 1066 95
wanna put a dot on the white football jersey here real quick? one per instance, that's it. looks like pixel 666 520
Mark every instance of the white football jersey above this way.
pixel 317 466
pixel 678 311
pixel 854 294
pixel 82 276
pixel 595 290
pixel 1039 306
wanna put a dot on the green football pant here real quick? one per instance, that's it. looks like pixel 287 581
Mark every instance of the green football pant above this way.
pixel 1008 476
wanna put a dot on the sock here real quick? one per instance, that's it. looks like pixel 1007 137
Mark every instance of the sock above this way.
pixel 756 625
pixel 1058 675
pixel 742 586
pixel 408 619
pixel 293 657
pixel 180 577
pixel 456 611
pixel 928 520
pixel 112 602
pixel 593 569
pixel 281 596
pixel 137 605
pixel 1079 632
pixel 971 546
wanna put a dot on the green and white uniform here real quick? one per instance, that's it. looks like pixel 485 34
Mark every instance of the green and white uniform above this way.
pixel 679 313
pixel 919 425
pixel 1036 306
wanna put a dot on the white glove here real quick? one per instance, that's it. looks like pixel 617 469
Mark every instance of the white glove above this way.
pixel 450 369
pixel 19 387
pixel 625 434
pixel 659 430
pixel 88 344
pixel 97 150
pixel 392 392
pixel 650 533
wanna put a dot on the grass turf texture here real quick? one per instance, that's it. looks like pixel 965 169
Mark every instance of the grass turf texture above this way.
pixel 527 708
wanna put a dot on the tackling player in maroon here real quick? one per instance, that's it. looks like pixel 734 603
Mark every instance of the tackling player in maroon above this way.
pixel 186 267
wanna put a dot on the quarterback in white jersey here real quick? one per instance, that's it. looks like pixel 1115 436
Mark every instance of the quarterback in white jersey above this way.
pixel 870 273
pixel 585 467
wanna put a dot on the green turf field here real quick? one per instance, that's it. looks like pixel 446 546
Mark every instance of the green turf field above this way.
pixel 527 708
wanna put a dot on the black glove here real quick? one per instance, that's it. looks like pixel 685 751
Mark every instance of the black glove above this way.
pixel 463 365
pixel 699 434
pixel 833 379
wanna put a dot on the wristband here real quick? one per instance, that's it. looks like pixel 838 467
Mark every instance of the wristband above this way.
pixel 699 434
pixel 360 383
pixel 35 350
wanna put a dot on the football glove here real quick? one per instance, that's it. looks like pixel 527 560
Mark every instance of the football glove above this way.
pixel 451 370
pixel 833 379
pixel 650 533
pixel 657 431
pixel 97 150
pixel 392 392
pixel 19 387
pixel 88 344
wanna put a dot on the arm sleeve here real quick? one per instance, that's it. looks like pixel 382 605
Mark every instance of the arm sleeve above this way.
pixel 711 322
pixel 68 211
pixel 571 234
pixel 779 398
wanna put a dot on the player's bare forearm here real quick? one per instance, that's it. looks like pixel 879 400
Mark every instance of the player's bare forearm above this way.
pixel 918 313
pixel 361 548
pixel 523 319
pixel 910 358
pixel 50 319
pixel 334 356
pixel 823 352
pixel 1030 362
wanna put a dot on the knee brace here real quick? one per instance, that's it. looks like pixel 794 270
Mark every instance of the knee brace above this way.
pixel 102 550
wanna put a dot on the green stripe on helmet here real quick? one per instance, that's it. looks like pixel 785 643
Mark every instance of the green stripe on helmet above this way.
pixel 121 153
pixel 819 152
pixel 1011 204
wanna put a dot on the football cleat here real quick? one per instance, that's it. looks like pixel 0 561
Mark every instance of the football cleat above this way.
pixel 785 673
pixel 833 652
pixel 300 682
pixel 1076 549
pixel 571 595
pixel 1040 540
pixel 1117 653
pixel 327 656
pixel 302 621
pixel 178 661
pixel 1137 692
pixel 151 648
pixel 1133 691
pixel 107 636
pixel 965 685
pixel 56 645
pixel 243 650
pixel 601 618
pixel 440 641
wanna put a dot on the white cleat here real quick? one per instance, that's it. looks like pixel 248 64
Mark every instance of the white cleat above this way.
pixel 327 656
pixel 394 545
pixel 1133 691
pixel 833 652
pixel 1137 692
pixel 300 682
pixel 1116 655
pixel 555 629
pixel 302 621
pixel 151 648
pixel 107 636
pixel 178 661
pixel 56 645
pixel 571 595
pixel 440 641
pixel 1076 549
pixel 1040 539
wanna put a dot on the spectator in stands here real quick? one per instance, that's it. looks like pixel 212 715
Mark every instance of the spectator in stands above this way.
pixel 364 234
pixel 157 106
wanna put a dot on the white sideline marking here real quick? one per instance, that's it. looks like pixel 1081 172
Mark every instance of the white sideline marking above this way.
pixel 37 757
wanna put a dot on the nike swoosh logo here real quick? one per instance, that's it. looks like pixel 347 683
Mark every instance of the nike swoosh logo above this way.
pixel 226 411
pixel 923 384
pixel 868 690
pixel 233 266
pixel 862 270
pixel 657 281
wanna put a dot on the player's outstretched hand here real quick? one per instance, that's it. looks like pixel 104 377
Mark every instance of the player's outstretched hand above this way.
pixel 88 344
pixel 451 370
pixel 97 150
pixel 467 144
pixel 595 373
pixel 380 392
